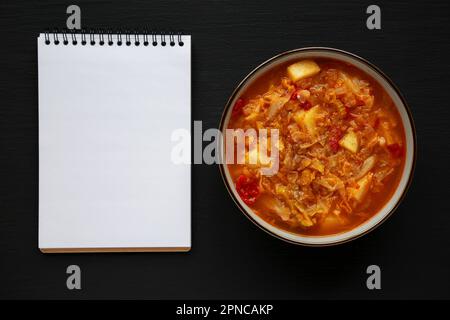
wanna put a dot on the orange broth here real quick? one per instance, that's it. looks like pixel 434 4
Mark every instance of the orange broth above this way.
pixel 342 148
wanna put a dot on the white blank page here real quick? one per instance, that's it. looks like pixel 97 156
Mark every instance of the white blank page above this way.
pixel 106 116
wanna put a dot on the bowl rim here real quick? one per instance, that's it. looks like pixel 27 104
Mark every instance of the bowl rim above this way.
pixel 374 68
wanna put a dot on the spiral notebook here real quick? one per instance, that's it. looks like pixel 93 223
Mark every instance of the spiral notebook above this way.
pixel 109 109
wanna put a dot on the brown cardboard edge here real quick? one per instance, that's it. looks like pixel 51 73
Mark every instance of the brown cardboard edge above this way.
pixel 107 250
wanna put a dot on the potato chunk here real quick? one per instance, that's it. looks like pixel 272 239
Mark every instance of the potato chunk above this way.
pixel 350 142
pixel 299 117
pixel 307 119
pixel 310 119
pixel 317 165
pixel 302 69
pixel 254 158
pixel 363 187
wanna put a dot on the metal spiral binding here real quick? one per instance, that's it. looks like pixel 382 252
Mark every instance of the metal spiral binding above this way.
pixel 55 38
pixel 92 37
pixel 83 37
pixel 154 39
pixel 74 38
pixel 101 38
pixel 146 38
pixel 65 40
pixel 110 38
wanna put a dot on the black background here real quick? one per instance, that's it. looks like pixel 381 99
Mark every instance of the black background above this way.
pixel 230 257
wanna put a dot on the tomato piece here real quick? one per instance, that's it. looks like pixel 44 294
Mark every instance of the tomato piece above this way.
pixel 248 189
pixel 376 123
pixel 294 95
pixel 347 113
pixel 238 106
pixel 306 105
pixel 335 136
pixel 334 145
pixel 359 102
pixel 396 150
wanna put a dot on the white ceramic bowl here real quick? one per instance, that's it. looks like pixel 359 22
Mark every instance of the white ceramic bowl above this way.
pixel 399 101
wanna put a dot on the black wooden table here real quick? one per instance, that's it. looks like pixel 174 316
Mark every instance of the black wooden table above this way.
pixel 230 257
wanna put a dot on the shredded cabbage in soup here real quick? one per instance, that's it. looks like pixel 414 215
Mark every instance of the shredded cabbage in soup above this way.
pixel 341 147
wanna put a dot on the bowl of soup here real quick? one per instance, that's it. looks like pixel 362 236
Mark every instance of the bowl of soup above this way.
pixel 318 146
